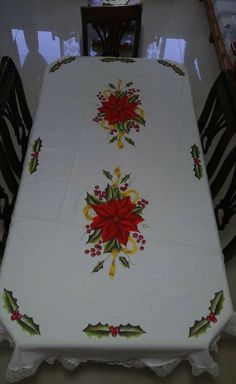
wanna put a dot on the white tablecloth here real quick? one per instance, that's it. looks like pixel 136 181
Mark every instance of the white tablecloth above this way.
pixel 113 253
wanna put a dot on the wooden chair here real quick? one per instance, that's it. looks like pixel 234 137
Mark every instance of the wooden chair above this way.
pixel 111 24
pixel 217 127
pixel 15 125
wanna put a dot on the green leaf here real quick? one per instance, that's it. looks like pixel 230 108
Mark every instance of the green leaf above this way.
pixel 54 68
pixel 92 200
pixel 199 327
pixel 117 193
pixel 32 165
pixel 129 84
pixel 109 193
pixel 99 330
pixel 133 98
pixel 124 261
pixel 130 141
pixel 95 237
pixel 98 266
pixel 114 138
pixel 37 144
pixel 179 71
pixel 125 178
pixel 131 331
pixel 198 171
pixel 217 303
pixel 140 120
pixel 122 94
pixel 10 303
pixel 138 210
pixel 126 128
pixel 110 245
pixel 195 151
pixel 28 325
pixel 107 174
pixel 111 86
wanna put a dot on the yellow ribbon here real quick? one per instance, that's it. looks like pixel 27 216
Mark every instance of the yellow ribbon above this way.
pixel 86 212
pixel 112 270
pixel 132 251
pixel 130 192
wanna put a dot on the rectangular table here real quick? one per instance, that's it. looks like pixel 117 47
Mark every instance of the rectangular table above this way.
pixel 113 253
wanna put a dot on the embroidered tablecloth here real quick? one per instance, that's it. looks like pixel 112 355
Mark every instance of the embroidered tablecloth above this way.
pixel 113 253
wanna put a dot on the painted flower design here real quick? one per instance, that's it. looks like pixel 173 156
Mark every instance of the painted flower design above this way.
pixel 118 109
pixel 115 214
pixel 120 112
pixel 116 219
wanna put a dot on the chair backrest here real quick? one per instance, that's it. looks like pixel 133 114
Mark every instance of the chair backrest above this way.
pixel 217 127
pixel 15 125
pixel 111 24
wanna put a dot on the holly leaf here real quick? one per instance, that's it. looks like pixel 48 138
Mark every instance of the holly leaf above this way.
pixel 198 171
pixel 217 303
pixel 140 120
pixel 111 86
pixel 98 266
pixel 138 211
pixel 28 325
pixel 95 236
pixel 110 245
pixel 129 84
pixel 10 303
pixel 69 59
pixel 125 127
pixel 117 193
pixel 109 193
pixel 114 138
pixel 131 331
pixel 32 165
pixel 99 330
pixel 107 174
pixel 130 141
pixel 37 144
pixel 125 178
pixel 124 261
pixel 54 68
pixel 195 152
pixel 179 71
pixel 133 98
pixel 92 200
pixel 122 94
pixel 199 327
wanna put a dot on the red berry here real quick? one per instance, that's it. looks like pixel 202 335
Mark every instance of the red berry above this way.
pixel 141 248
pixel 86 251
pixel 93 254
pixel 141 237
pixel 98 253
pixel 88 231
pixel 143 241
pixel 87 226
pixel 96 186
pixel 135 235
pixel 92 249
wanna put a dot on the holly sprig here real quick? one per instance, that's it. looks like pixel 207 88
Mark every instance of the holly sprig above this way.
pixel 201 326
pixel 175 68
pixel 34 162
pixel 59 63
pixel 100 330
pixel 197 166
pixel 119 59
pixel 27 323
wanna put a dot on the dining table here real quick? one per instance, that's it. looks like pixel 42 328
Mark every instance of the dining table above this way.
pixel 113 253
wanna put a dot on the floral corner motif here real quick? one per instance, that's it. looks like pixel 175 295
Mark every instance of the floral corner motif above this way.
pixel 34 161
pixel 114 214
pixel 120 112
pixel 59 63
pixel 104 330
pixel 197 165
pixel 201 326
pixel 117 59
pixel 175 68
pixel 25 322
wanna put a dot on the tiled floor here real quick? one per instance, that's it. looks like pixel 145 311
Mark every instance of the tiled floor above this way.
pixel 38 32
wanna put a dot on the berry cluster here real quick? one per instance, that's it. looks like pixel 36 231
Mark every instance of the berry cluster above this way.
pixel 114 330
pixel 95 250
pixel 211 317
pixel 98 193
pixel 139 239
pixel 16 315
pixel 142 203
pixel 124 187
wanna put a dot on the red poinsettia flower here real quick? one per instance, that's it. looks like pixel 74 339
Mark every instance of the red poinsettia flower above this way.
pixel 116 219
pixel 118 110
